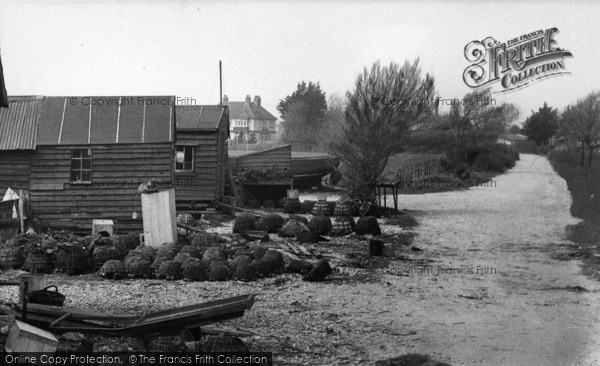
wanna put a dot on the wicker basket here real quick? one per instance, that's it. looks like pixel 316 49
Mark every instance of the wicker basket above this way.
pixel 186 219
pixel 319 225
pixel 343 225
pixel 127 242
pixel 194 270
pixel 182 257
pixel 274 261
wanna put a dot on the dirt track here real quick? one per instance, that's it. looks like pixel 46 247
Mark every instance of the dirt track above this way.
pixel 523 313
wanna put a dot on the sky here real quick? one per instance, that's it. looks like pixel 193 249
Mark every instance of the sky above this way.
pixel 173 48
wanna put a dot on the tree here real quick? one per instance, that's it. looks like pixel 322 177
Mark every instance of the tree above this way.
pixel 252 137
pixel 581 122
pixel 477 118
pixel 514 129
pixel 387 101
pixel 541 125
pixel 303 113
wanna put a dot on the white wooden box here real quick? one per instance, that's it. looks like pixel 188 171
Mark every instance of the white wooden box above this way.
pixel 27 338
pixel 158 214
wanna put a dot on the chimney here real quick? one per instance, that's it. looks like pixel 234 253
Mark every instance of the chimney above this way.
pixel 225 98
pixel 257 100
pixel 248 99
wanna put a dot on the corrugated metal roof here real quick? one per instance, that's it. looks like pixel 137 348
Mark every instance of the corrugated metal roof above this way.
pixel 18 123
pixel 199 117
pixel 106 120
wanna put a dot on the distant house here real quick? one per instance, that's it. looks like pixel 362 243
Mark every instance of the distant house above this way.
pixel 83 158
pixel 512 139
pixel 200 154
pixel 249 117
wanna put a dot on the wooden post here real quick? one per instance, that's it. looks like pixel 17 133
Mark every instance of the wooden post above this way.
pixel 21 211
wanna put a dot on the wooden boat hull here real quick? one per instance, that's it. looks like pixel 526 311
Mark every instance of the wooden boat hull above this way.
pixel 310 169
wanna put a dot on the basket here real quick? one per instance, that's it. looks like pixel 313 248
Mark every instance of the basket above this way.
pixel 368 225
pixel 218 271
pixel 103 254
pixel 270 223
pixel 168 344
pixel 47 297
pixel 347 208
pixel 138 267
pixel 307 206
pixel 71 259
pixel 343 225
pixel 205 240
pixel 244 222
pixel 111 268
pixel 194 270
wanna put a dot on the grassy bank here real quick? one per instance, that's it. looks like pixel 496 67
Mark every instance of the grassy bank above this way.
pixel 584 185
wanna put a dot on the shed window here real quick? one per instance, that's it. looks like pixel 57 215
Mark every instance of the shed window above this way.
pixel 184 158
pixel 81 166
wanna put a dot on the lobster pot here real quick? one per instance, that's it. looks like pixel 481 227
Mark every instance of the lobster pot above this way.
pixel 186 219
pixel 292 228
pixel 319 225
pixel 292 206
pixel 270 223
pixel 347 208
pixel 182 257
pixel 342 226
pixel 218 270
pixel 170 269
pixel 193 251
pixel 138 267
pixel 111 267
pixel 71 260
pixel 244 222
pixel 205 240
pixel 168 250
pixel 293 194
pixel 168 344
pixel 194 270
pixel 223 344
pixel 213 254
pixel 273 260
pixel 38 262
pixel 103 254
pixel 240 259
pixel 307 206
pixel 125 243
pixel 246 272
pixel 11 257
pixel 322 208
pixel 368 225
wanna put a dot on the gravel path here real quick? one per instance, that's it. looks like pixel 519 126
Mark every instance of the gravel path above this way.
pixel 518 314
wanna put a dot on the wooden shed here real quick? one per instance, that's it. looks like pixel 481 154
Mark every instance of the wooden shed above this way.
pixel 201 155
pixel 83 158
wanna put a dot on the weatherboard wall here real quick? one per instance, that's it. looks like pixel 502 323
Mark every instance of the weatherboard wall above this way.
pixel 117 171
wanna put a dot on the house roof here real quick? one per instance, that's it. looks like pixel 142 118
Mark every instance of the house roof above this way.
pixel 33 121
pixel 248 110
pixel 18 123
pixel 199 117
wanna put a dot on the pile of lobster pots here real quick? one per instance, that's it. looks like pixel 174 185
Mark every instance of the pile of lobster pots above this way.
pixel 326 218
pixel 63 252
pixel 202 257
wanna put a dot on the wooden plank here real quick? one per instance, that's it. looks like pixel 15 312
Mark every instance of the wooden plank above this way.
pixel 304 250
